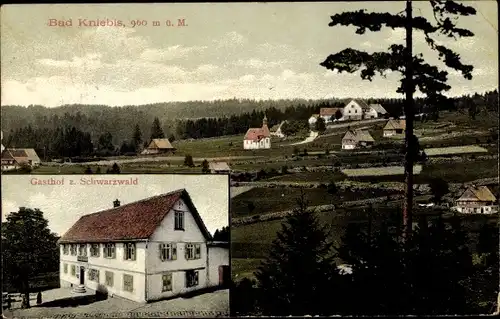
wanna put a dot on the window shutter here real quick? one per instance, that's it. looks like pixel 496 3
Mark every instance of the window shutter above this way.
pixel 196 278
pixel 186 251
pixel 160 251
pixel 174 251
pixel 113 250
pixel 125 249
pixel 133 251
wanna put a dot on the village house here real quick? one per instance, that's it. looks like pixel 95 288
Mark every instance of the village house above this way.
pixel 276 130
pixel 143 251
pixel 13 158
pixel 219 168
pixel 313 119
pixel 375 111
pixel 357 138
pixel 394 127
pixel 159 146
pixel 257 138
pixel 355 109
pixel 328 113
pixel 476 200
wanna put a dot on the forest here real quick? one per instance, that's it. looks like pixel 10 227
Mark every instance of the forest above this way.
pixel 83 130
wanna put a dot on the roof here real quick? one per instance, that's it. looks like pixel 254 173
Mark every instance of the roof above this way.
pixel 378 108
pixel 329 111
pixel 256 134
pixel 477 193
pixel 6 155
pixel 358 136
pixel 32 155
pixel 274 128
pixel 315 115
pixel 18 152
pixel 161 143
pixel 395 125
pixel 222 244
pixel 219 166
pixel 133 221
pixel 361 103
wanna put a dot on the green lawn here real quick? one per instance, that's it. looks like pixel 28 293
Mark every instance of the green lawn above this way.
pixel 265 200
pixel 321 177
pixel 244 267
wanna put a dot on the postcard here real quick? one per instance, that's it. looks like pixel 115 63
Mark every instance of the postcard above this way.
pixel 360 141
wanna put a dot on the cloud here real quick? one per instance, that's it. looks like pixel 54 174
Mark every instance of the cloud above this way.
pixel 91 61
pixel 170 53
pixel 230 39
pixel 258 64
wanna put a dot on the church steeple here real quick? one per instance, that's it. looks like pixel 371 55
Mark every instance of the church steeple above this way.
pixel 264 121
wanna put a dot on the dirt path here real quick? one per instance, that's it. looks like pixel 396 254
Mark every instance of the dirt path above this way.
pixel 312 136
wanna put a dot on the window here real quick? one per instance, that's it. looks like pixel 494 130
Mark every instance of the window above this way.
pixel 191 278
pixel 94 275
pixel 168 252
pixel 94 250
pixel 167 282
pixel 65 249
pixel 109 251
pixel 108 277
pixel 128 283
pixel 355 111
pixel 193 251
pixel 65 266
pixel 82 250
pixel 73 270
pixel 73 249
pixel 179 221
pixel 129 253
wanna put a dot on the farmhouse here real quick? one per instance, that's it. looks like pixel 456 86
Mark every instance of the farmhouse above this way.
pixel 159 146
pixel 375 111
pixel 313 119
pixel 276 130
pixel 148 250
pixel 357 138
pixel 13 158
pixel 355 109
pixel 258 138
pixel 328 112
pixel 476 200
pixel 219 168
pixel 394 127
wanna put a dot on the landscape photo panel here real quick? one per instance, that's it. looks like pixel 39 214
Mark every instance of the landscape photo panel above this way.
pixel 116 245
pixel 359 183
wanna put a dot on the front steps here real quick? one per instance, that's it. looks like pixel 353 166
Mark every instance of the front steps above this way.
pixel 80 289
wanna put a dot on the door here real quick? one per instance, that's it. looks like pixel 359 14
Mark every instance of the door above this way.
pixel 224 275
pixel 82 275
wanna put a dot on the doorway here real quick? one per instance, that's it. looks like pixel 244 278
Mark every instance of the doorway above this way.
pixel 224 275
pixel 82 275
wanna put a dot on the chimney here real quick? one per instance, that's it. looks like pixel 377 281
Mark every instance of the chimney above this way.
pixel 116 203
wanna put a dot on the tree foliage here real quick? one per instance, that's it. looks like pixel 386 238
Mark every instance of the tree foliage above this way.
pixel 320 125
pixel 222 234
pixel 188 161
pixel 29 249
pixel 156 129
pixel 439 188
pixel 298 276
pixel 205 167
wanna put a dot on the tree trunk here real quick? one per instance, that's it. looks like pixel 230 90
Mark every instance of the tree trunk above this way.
pixel 409 114
pixel 26 296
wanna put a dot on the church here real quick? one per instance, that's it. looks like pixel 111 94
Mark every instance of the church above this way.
pixel 258 138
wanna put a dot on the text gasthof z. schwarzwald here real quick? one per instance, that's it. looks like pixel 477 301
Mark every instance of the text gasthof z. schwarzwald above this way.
pixel 85 181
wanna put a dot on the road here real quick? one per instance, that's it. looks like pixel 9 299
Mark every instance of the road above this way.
pixel 312 136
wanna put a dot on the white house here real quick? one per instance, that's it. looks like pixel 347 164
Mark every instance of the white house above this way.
pixel 257 138
pixel 13 158
pixel 476 200
pixel 276 130
pixel 148 250
pixel 394 127
pixel 374 111
pixel 357 138
pixel 313 119
pixel 355 109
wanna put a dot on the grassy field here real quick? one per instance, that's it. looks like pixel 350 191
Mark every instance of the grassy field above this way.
pixel 466 149
pixel 277 199
pixel 321 177
pixel 136 168
pixel 380 171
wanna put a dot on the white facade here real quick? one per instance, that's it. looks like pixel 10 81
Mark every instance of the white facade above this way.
pixel 348 146
pixel 312 120
pixel 371 114
pixel 217 258
pixel 479 209
pixel 353 111
pixel 160 267
pixel 263 143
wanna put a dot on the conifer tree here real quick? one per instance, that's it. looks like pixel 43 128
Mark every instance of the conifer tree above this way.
pixel 298 277
pixel 416 72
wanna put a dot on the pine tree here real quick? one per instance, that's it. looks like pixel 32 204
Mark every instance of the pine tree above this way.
pixel 320 125
pixel 156 130
pixel 298 277
pixel 430 81
pixel 137 137
pixel 188 161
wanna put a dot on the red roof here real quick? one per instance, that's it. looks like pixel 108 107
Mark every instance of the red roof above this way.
pixel 132 221
pixel 256 134
pixel 329 111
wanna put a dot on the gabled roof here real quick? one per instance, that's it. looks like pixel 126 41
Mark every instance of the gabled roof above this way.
pixel 18 152
pixel 32 155
pixel 6 155
pixel 329 111
pixel 395 125
pixel 315 115
pixel 256 134
pixel 275 128
pixel 161 143
pixel 219 166
pixel 477 193
pixel 378 108
pixel 358 136
pixel 134 221
pixel 361 103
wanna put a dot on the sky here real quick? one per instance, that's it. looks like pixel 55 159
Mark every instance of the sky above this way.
pixel 63 205
pixel 238 50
